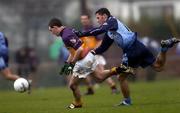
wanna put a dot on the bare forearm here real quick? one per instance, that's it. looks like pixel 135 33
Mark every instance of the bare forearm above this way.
pixel 77 55
pixel 70 58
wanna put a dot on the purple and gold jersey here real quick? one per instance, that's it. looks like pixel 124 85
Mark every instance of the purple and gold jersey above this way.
pixel 71 41
pixel 90 42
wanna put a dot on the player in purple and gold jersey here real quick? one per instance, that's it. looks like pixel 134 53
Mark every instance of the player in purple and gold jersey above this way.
pixel 77 62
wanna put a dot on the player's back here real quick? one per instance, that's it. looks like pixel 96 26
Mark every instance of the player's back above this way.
pixel 90 42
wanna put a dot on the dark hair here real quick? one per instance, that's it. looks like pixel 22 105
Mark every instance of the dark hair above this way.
pixel 102 11
pixel 55 22
pixel 86 14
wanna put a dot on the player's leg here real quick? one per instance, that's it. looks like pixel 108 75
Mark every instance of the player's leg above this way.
pixel 109 80
pixel 88 82
pixel 161 58
pixel 124 89
pixel 73 84
pixel 101 75
pixel 8 74
pixel 85 66
pixel 159 63
pixel 112 85
pixel 5 71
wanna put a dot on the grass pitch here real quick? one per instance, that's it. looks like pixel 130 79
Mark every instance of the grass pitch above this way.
pixel 155 97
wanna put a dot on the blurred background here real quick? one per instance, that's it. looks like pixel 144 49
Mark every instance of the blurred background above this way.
pixel 25 23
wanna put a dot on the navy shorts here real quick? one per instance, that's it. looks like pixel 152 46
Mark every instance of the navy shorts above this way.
pixel 4 62
pixel 138 55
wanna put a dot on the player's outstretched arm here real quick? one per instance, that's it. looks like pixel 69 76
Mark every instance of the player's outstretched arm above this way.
pixel 106 43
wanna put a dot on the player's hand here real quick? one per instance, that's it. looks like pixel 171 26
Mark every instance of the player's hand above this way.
pixel 69 69
pixel 66 69
pixel 63 68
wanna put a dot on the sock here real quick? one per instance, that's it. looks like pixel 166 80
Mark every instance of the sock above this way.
pixel 113 87
pixel 113 71
pixel 77 102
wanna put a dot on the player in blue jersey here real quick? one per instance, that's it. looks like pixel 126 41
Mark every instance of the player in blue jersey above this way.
pixel 76 62
pixel 4 69
pixel 135 54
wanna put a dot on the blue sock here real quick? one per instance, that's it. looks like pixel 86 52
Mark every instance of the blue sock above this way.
pixel 128 100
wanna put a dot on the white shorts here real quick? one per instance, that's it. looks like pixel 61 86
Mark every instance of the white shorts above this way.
pixel 100 59
pixel 83 68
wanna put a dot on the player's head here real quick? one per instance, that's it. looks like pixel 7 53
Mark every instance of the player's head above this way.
pixel 102 15
pixel 55 26
pixel 85 19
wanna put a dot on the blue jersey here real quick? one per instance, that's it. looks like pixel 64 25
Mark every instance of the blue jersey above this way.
pixel 3 51
pixel 3 44
pixel 116 32
pixel 135 54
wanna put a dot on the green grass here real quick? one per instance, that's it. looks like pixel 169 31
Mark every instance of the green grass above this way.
pixel 155 97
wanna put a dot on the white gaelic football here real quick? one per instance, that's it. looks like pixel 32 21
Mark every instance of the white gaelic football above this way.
pixel 21 85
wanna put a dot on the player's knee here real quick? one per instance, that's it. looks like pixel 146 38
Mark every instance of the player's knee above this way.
pixel 99 80
pixel 99 76
pixel 8 76
pixel 158 68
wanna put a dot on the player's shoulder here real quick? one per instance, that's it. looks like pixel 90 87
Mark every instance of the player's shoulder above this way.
pixel 1 32
pixel 2 37
pixel 67 29
pixel 112 20
pixel 67 32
